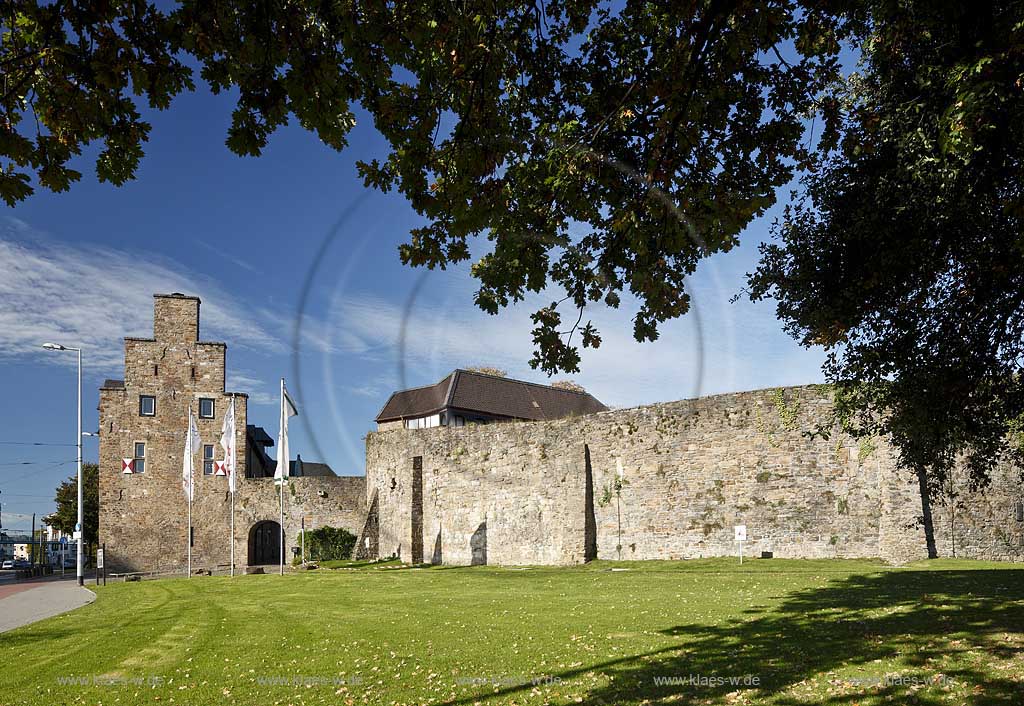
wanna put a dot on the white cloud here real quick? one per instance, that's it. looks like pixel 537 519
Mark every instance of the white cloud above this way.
pixel 315 334
pixel 740 346
pixel 91 297
pixel 373 391
pixel 245 265
pixel 259 390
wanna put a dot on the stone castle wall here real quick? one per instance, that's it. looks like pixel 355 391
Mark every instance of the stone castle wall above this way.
pixel 545 493
pixel 323 501
pixel 143 517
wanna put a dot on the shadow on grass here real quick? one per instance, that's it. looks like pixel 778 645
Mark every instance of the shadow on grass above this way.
pixel 895 637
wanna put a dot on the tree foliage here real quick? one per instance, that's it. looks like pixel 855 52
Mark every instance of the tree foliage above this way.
pixel 904 254
pixel 570 385
pixel 327 543
pixel 487 370
pixel 66 516
pixel 606 149
pixel 599 150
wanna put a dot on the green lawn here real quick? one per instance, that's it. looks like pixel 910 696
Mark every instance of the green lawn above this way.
pixel 835 632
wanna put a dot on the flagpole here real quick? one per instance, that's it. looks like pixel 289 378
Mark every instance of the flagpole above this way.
pixel 230 458
pixel 283 471
pixel 189 538
pixel 228 434
pixel 188 452
pixel 232 533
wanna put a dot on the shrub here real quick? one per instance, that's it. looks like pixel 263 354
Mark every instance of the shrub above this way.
pixel 327 543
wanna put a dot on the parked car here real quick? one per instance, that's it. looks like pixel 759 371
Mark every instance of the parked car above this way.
pixel 8 564
pixel 22 564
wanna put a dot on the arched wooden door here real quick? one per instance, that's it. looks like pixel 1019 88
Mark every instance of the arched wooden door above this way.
pixel 265 543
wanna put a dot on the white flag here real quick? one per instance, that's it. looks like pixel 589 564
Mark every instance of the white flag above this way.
pixel 192 444
pixel 287 410
pixel 227 442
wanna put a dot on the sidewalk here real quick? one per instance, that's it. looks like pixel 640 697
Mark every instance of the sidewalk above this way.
pixel 26 602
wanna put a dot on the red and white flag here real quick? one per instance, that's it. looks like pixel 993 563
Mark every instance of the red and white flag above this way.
pixel 227 441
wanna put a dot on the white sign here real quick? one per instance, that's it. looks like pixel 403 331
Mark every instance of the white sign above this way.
pixel 76 535
pixel 741 533
pixel 99 558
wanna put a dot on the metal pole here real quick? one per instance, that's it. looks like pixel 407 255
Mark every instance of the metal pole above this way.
pixel 282 522
pixel 284 473
pixel 190 527
pixel 191 486
pixel 618 515
pixel 303 536
pixel 232 530
pixel 80 571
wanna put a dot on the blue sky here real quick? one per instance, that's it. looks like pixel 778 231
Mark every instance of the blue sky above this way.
pixel 242 233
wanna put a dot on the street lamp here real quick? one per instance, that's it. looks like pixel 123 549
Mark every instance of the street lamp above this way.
pixel 80 527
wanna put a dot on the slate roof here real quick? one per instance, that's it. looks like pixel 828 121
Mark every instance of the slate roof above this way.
pixel 488 394
pixel 300 468
pixel 109 384
pixel 259 435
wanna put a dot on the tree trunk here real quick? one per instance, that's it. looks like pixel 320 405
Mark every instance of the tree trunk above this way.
pixel 926 514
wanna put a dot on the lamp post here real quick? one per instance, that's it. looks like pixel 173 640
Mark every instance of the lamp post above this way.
pixel 80 526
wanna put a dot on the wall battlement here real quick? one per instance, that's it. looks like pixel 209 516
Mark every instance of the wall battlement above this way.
pixel 548 492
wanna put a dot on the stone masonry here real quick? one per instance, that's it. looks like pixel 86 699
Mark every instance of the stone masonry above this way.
pixel 663 481
pixel 547 492
pixel 143 516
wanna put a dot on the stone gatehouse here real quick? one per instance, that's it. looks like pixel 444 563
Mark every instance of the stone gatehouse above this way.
pixel 670 481
pixel 662 481
pixel 143 515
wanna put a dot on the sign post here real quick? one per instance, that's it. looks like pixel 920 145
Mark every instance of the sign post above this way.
pixel 741 537
pixel 99 566
pixel 63 550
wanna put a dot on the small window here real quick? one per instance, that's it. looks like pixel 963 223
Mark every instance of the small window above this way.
pixel 140 457
pixel 460 421
pixel 207 459
pixel 205 408
pixel 147 406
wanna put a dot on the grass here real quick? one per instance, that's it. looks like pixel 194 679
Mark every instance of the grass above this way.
pixel 362 564
pixel 811 632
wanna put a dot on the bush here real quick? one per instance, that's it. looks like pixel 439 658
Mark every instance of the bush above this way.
pixel 328 543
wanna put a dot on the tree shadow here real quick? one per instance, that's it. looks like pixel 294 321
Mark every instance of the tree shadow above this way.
pixel 589 515
pixel 478 546
pixel 898 637
pixel 437 558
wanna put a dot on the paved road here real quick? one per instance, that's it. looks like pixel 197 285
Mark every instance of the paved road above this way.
pixel 26 602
